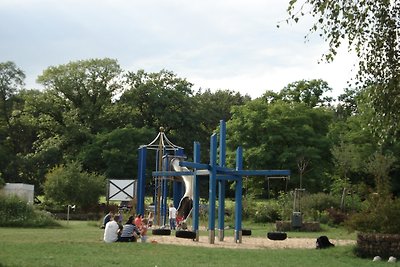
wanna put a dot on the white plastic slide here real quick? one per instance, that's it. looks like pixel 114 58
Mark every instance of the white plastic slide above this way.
pixel 186 203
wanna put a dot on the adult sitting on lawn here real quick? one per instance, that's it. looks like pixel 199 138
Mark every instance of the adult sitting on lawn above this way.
pixel 112 230
pixel 106 219
pixel 130 232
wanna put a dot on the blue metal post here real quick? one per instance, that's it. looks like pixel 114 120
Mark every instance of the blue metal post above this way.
pixel 196 191
pixel 164 194
pixel 157 217
pixel 177 188
pixel 141 180
pixel 212 189
pixel 221 183
pixel 238 197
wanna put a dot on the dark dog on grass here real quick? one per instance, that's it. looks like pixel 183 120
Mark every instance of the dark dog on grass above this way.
pixel 323 242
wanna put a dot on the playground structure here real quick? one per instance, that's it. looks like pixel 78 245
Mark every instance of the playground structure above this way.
pixel 170 163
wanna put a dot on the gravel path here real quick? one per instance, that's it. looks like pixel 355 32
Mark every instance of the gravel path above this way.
pixel 248 242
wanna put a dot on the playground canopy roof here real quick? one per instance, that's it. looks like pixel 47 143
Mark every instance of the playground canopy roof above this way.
pixel 162 142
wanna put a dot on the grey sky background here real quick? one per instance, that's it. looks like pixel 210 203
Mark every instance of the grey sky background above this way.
pixel 216 44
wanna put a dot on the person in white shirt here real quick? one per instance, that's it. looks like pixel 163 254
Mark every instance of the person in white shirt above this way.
pixel 172 216
pixel 112 230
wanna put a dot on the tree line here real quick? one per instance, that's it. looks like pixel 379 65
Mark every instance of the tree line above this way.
pixel 94 113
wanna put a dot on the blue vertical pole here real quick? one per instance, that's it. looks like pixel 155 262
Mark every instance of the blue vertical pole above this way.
pixel 157 218
pixel 141 180
pixel 238 197
pixel 221 183
pixel 177 188
pixel 196 191
pixel 212 189
pixel 164 192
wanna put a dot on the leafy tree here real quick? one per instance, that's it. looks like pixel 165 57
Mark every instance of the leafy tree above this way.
pixel 381 212
pixel 347 105
pixel 312 93
pixel 379 166
pixel 115 153
pixel 40 143
pixel 211 107
pixel 346 159
pixel 162 99
pixel 85 87
pixel 69 184
pixel 276 135
pixel 371 29
pixel 11 80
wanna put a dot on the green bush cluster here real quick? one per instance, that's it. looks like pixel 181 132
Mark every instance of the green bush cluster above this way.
pixel 69 184
pixel 17 213
pixel 315 206
pixel 262 211
pixel 267 212
pixel 2 182
pixel 380 215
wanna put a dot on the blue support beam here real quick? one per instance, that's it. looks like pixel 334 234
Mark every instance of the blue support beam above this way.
pixel 238 198
pixel 157 184
pixel 212 189
pixel 177 188
pixel 164 194
pixel 196 192
pixel 194 165
pixel 171 173
pixel 221 182
pixel 141 181
pixel 259 172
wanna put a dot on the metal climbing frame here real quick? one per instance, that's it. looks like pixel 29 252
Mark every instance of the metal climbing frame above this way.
pixel 219 173
pixel 163 147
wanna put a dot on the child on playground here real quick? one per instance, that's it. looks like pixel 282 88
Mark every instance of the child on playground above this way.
pixel 172 216
pixel 150 219
pixel 138 221
pixel 143 230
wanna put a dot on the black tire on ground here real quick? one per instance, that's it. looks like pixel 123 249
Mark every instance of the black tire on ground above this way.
pixel 186 234
pixel 246 232
pixel 161 231
pixel 277 235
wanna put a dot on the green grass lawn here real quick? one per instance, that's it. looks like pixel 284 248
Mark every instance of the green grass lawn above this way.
pixel 80 244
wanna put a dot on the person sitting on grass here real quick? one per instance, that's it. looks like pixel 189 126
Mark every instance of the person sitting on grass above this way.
pixel 130 233
pixel 112 230
pixel 138 220
pixel 106 219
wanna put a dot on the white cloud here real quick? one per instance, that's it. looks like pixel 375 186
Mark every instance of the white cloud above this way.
pixel 214 44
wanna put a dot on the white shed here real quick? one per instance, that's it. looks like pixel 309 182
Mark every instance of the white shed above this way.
pixel 24 191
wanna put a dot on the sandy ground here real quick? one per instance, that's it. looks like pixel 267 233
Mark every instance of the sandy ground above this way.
pixel 248 242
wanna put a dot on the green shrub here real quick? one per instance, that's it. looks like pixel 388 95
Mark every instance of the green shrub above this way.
pixel 267 212
pixel 2 182
pixel 285 202
pixel 380 215
pixel 17 213
pixel 248 206
pixel 314 206
pixel 69 184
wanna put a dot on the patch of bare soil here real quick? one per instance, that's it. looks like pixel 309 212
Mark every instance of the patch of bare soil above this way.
pixel 248 242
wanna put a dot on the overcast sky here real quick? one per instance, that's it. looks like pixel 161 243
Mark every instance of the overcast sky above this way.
pixel 216 44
